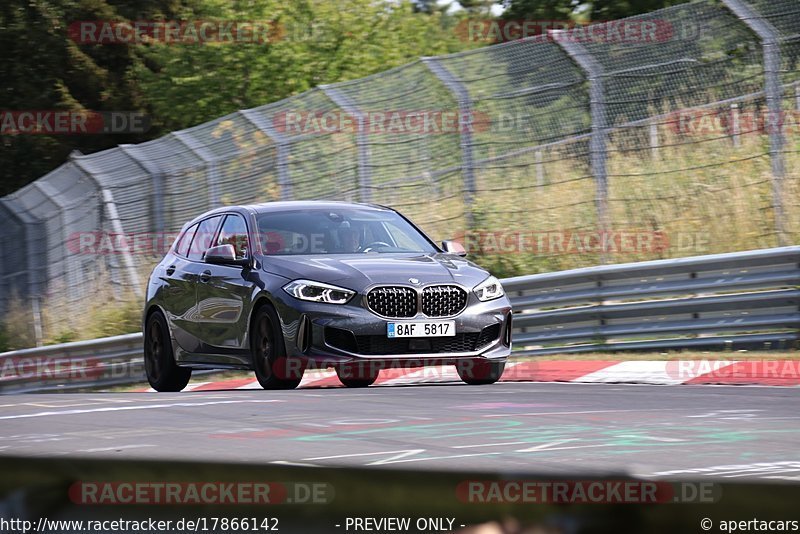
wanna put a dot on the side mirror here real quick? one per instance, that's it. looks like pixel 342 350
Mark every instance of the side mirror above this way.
pixel 224 255
pixel 454 247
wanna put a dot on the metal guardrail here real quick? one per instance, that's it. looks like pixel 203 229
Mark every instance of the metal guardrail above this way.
pixel 744 300
pixel 747 300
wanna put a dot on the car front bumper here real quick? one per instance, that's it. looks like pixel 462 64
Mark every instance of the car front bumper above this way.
pixel 318 333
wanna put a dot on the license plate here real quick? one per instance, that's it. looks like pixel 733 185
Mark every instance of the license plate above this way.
pixel 437 329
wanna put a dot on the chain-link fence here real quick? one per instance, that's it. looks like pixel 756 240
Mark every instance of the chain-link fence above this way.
pixel 663 135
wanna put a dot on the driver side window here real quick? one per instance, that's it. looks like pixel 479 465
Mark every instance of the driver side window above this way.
pixel 202 238
pixel 234 232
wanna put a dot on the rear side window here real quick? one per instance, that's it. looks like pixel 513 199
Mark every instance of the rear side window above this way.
pixel 182 248
pixel 234 232
pixel 203 238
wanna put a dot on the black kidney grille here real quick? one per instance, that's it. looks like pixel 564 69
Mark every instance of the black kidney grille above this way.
pixel 443 301
pixel 393 301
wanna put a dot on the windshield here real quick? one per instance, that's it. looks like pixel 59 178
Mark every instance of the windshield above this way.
pixel 339 231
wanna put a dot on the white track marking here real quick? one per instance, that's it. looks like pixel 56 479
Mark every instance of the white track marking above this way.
pixel 117 448
pixel 398 454
pixel 489 445
pixel 547 446
pixel 127 408
pixel 536 449
pixel 299 464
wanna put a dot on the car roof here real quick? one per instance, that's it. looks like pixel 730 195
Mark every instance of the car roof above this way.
pixel 268 207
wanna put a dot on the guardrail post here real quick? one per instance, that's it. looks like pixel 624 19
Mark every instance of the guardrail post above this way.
pixel 770 44
pixel 281 150
pixel 597 143
pixel 364 174
pixel 133 151
pixel 190 142
pixel 465 129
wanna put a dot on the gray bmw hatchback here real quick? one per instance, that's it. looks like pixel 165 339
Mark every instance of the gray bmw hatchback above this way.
pixel 286 286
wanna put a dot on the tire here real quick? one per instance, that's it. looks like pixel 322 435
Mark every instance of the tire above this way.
pixel 478 372
pixel 273 369
pixel 162 372
pixel 357 376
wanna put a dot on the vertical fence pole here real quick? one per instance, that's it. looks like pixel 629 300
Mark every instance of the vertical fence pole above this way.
pixel 281 149
pixel 208 159
pixel 654 140
pixel 347 105
pixel 465 128
pixel 735 124
pixel 127 258
pixel 110 208
pixel 31 228
pixel 157 178
pixel 797 96
pixel 771 46
pixel 539 169
pixel 597 144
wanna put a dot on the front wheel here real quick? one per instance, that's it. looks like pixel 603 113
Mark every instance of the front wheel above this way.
pixel 274 370
pixel 162 372
pixel 479 371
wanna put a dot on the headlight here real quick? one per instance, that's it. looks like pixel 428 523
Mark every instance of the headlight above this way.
pixel 489 289
pixel 318 292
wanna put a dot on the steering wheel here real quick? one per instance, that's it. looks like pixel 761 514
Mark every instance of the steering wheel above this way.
pixel 375 244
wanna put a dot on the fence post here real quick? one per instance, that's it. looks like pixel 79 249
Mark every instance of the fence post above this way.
pixel 770 44
pixel 597 143
pixel 539 169
pixel 127 258
pixel 110 207
pixel 281 149
pixel 30 228
pixel 654 143
pixel 158 183
pixel 797 96
pixel 348 106
pixel 735 124
pixel 464 127
pixel 189 141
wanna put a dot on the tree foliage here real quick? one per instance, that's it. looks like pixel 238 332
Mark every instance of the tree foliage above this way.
pixel 180 85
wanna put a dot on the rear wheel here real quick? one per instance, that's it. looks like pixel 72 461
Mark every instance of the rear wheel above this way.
pixel 479 371
pixel 162 372
pixel 274 370
pixel 356 376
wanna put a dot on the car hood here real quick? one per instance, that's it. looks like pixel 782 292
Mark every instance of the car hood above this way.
pixel 358 271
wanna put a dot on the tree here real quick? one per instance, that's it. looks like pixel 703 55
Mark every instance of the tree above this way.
pixel 44 69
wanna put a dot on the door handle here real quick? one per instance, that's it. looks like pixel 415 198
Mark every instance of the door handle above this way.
pixel 206 276
pixel 170 270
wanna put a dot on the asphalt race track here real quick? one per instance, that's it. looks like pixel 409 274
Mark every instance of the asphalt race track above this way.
pixel 699 432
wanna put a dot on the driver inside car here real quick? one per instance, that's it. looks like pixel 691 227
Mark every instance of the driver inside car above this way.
pixel 349 239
